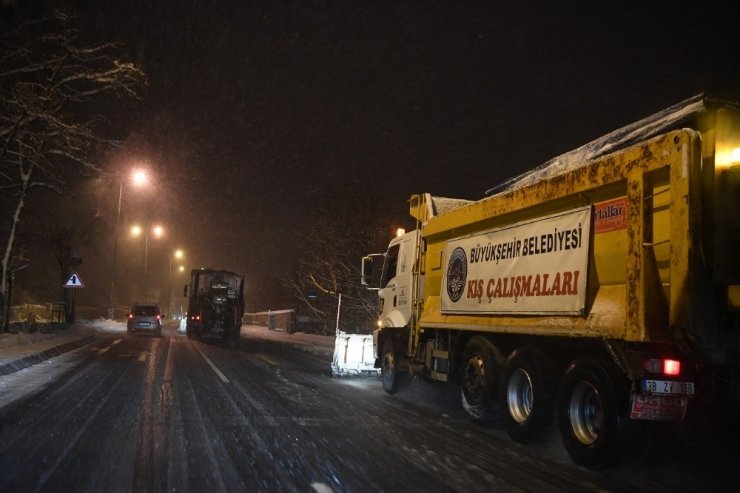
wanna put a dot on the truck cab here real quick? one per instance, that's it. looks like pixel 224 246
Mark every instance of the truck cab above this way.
pixel 396 281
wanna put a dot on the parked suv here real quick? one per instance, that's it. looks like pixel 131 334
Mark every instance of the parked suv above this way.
pixel 145 317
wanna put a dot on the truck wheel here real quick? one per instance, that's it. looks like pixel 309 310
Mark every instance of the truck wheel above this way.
pixel 481 369
pixel 526 394
pixel 389 367
pixel 589 400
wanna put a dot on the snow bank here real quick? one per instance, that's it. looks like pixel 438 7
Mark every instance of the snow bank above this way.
pixel 103 325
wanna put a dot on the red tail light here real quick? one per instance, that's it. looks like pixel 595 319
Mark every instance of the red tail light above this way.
pixel 671 367
pixel 159 317
pixel 666 366
pixel 130 315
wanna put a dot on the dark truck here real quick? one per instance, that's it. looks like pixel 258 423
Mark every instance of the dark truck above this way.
pixel 215 305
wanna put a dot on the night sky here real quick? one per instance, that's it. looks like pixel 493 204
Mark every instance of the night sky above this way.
pixel 259 114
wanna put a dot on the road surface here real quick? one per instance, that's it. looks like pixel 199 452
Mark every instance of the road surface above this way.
pixel 140 413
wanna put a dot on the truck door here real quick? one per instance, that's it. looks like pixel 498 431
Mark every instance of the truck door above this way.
pixel 395 286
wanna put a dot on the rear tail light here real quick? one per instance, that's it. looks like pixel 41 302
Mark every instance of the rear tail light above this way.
pixel 666 366
pixel 130 315
pixel 671 367
pixel 159 317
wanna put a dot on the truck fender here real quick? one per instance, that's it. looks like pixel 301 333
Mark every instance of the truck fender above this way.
pixel 394 319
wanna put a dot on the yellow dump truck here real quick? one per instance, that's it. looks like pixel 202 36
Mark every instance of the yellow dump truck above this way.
pixel 603 286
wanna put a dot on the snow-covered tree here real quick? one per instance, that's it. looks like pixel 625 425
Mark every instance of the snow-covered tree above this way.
pixel 52 83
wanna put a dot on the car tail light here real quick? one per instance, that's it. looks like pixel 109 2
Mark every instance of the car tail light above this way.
pixel 130 315
pixel 666 366
pixel 159 317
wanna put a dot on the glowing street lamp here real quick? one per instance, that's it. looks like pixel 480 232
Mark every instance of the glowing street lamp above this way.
pixel 139 178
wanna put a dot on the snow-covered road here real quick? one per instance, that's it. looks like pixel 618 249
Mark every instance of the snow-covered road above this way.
pixel 145 413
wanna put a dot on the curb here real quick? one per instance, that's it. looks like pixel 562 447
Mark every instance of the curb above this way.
pixel 26 361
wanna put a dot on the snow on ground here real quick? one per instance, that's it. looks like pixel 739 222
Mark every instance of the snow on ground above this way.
pixel 314 343
pixel 104 325
pixel 28 380
pixel 319 344
pixel 14 345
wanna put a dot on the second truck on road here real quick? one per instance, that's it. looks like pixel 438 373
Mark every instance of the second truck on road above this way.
pixel 215 305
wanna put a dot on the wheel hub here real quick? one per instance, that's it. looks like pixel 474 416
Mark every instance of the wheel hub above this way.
pixel 586 411
pixel 519 395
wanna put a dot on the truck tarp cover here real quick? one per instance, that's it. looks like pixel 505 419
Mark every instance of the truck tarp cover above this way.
pixel 669 119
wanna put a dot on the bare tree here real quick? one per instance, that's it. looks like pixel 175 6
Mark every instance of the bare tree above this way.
pixel 50 80
pixel 330 265
pixel 64 236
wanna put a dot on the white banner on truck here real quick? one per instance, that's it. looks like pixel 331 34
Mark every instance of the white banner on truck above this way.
pixel 532 267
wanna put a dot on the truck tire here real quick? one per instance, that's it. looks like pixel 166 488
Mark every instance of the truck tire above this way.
pixel 590 398
pixel 526 394
pixel 389 367
pixel 479 379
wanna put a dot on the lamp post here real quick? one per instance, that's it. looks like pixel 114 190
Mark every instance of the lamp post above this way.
pixel 157 231
pixel 138 178
pixel 176 254
pixel 181 312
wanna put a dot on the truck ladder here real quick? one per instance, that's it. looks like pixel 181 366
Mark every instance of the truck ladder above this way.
pixel 430 353
pixel 417 301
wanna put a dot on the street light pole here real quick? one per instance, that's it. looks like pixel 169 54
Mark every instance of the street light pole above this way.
pixel 178 254
pixel 146 250
pixel 138 178
pixel 158 231
pixel 169 291
pixel 112 298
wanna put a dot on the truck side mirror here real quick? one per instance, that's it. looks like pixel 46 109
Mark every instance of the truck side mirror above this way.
pixel 372 266
pixel 185 291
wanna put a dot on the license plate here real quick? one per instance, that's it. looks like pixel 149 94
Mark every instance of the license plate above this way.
pixel 668 387
pixel 143 324
pixel 658 407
